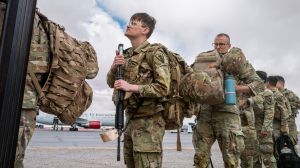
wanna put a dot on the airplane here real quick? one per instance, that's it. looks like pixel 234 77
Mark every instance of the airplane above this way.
pixel 89 120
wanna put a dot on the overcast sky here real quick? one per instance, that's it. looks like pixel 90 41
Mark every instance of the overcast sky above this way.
pixel 267 31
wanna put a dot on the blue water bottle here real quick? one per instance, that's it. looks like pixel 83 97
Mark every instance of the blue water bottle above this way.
pixel 230 95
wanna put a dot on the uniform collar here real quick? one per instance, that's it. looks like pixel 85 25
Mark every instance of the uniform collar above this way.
pixel 143 47
pixel 274 89
pixel 222 54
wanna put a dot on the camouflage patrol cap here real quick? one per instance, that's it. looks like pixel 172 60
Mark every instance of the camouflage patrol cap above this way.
pixel 234 60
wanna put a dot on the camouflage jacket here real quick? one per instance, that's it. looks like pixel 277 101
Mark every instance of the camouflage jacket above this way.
pixel 294 101
pixel 263 106
pixel 234 62
pixel 153 80
pixel 281 110
pixel 38 60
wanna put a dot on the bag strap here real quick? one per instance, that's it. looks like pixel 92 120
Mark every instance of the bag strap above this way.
pixel 284 138
pixel 178 141
pixel 53 45
pixel 35 82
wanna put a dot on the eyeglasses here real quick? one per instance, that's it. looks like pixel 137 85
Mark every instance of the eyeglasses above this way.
pixel 132 23
pixel 135 22
pixel 219 44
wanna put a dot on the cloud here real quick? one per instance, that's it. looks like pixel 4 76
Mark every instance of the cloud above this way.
pixel 267 31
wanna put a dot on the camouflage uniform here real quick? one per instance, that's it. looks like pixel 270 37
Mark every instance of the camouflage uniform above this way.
pixel 38 61
pixel 281 116
pixel 295 105
pixel 145 126
pixel 250 154
pixel 222 122
pixel 263 105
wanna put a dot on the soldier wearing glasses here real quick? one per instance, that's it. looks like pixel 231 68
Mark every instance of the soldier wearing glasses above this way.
pixel 146 83
pixel 222 122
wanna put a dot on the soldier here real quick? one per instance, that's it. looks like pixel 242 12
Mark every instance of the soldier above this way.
pixel 222 122
pixel 38 60
pixel 294 103
pixel 263 106
pixel 55 123
pixel 280 122
pixel 250 155
pixel 146 84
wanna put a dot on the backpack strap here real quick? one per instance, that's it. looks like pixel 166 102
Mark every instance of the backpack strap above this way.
pixel 35 82
pixel 151 50
pixel 53 45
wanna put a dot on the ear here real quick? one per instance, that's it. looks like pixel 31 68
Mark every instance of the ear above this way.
pixel 145 30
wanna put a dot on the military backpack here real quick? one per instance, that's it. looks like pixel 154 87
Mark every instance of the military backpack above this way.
pixel 287 155
pixel 65 93
pixel 175 106
pixel 205 86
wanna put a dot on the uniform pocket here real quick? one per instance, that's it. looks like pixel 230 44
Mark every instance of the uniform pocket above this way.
pixel 145 73
pixel 236 141
pixel 132 67
pixel 149 138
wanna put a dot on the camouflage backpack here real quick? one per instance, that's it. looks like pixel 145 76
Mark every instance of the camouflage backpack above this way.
pixel 205 85
pixel 65 93
pixel 175 107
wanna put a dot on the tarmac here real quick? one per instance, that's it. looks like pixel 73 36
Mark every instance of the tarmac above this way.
pixel 85 149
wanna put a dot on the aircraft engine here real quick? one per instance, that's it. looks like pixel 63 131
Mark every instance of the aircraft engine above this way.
pixel 94 124
pixel 91 125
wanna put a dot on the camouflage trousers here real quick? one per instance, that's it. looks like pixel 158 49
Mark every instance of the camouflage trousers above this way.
pixel 26 129
pixel 266 150
pixel 143 142
pixel 225 127
pixel 249 156
pixel 293 130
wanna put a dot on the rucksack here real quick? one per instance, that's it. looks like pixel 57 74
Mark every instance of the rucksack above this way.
pixel 206 89
pixel 287 155
pixel 65 93
pixel 175 106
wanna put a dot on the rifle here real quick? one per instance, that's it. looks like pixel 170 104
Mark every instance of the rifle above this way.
pixel 119 118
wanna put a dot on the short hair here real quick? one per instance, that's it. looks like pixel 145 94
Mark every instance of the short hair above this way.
pixel 280 78
pixel 147 21
pixel 272 80
pixel 224 34
pixel 263 75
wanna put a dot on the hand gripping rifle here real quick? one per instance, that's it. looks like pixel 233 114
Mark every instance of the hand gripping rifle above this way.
pixel 119 118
